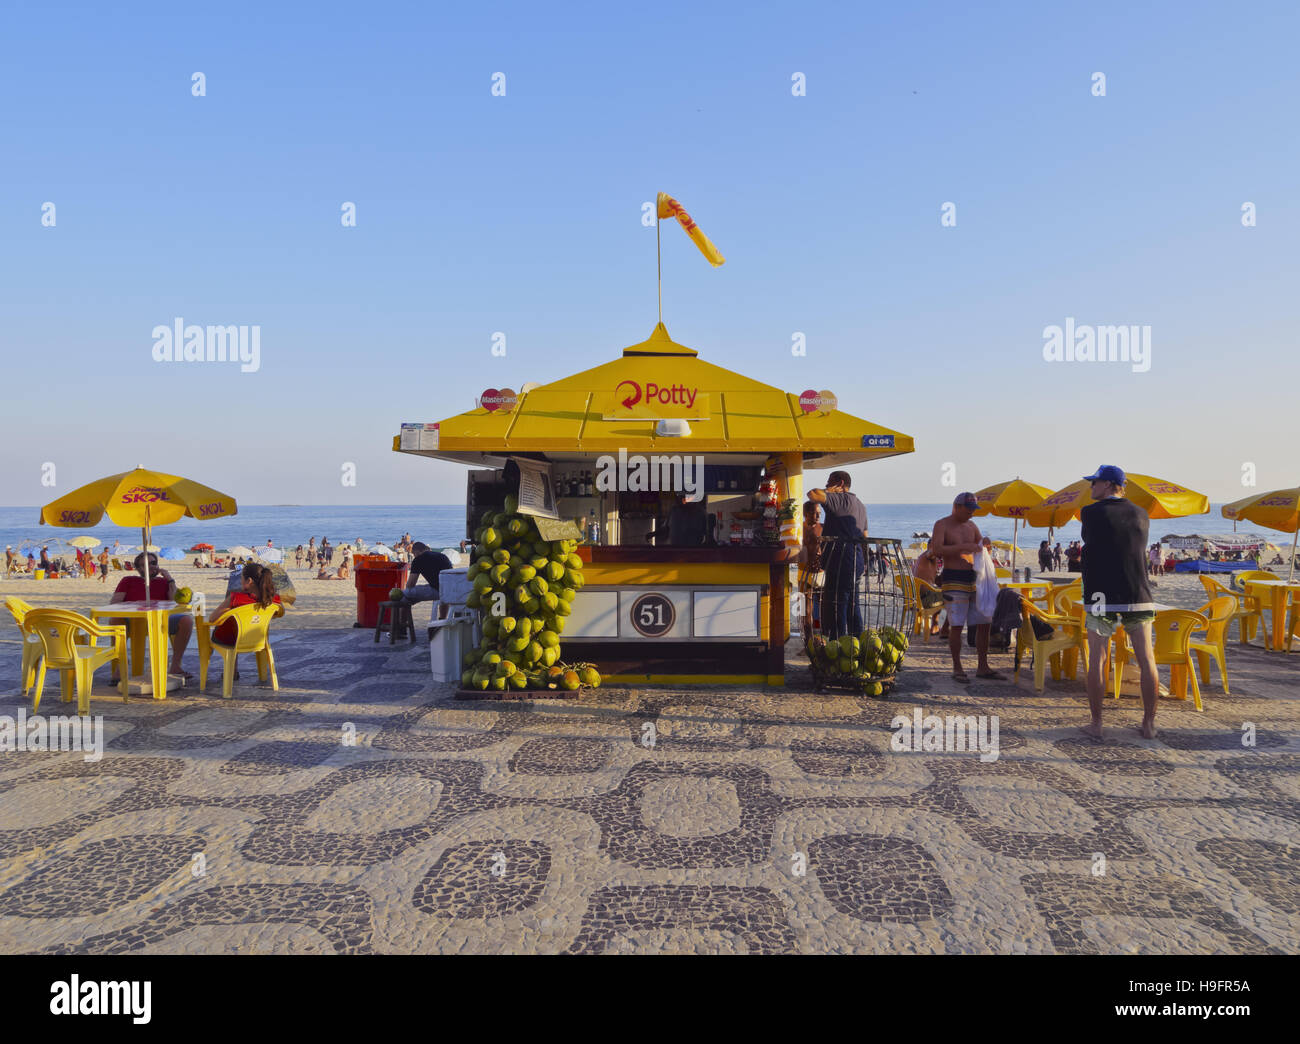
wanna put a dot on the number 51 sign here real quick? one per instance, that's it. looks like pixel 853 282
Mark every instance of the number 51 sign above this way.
pixel 656 615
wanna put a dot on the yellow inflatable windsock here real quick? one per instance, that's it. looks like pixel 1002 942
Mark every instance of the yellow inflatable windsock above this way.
pixel 670 208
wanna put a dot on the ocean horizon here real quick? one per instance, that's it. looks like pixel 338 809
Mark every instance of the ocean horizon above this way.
pixel 443 525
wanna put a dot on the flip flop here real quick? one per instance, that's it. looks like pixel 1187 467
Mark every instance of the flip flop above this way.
pixel 961 676
pixel 993 676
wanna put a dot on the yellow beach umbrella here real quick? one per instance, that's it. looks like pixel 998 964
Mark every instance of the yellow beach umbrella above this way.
pixel 1278 509
pixel 141 498
pixel 84 542
pixel 1010 499
pixel 1159 498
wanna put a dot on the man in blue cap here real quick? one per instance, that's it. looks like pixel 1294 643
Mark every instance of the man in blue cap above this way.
pixel 1115 589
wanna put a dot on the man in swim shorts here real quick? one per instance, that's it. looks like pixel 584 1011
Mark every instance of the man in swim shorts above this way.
pixel 956 539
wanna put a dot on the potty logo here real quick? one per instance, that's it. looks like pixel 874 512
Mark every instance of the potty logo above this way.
pixel 663 394
pixel 632 399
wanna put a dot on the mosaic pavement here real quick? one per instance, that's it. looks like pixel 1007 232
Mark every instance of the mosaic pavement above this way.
pixel 712 821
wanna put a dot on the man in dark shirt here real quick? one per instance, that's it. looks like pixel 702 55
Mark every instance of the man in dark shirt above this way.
pixel 686 525
pixel 426 565
pixel 842 560
pixel 1115 589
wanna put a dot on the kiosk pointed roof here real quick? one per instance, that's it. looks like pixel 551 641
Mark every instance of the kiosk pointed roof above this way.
pixel 618 405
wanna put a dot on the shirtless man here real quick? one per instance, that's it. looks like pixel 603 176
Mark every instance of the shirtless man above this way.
pixel 956 539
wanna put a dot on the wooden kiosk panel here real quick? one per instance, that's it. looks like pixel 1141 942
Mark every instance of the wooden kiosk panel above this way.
pixel 683 615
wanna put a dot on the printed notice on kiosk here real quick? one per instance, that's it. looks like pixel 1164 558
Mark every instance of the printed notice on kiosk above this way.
pixel 535 496
pixel 419 437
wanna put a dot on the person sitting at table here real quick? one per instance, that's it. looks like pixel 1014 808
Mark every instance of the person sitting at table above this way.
pixel 257 586
pixel 162 588
pixel 926 567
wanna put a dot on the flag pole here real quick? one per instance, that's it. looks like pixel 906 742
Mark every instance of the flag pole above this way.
pixel 659 265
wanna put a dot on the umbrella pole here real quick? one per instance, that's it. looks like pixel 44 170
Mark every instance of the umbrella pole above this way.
pixel 1290 574
pixel 145 534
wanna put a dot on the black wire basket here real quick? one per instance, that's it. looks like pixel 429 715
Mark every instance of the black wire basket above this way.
pixel 865 582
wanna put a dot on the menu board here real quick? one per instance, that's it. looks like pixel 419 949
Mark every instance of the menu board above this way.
pixel 536 494
pixel 419 437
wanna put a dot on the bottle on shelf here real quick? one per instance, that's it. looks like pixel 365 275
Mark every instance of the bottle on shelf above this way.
pixel 591 486
pixel 593 528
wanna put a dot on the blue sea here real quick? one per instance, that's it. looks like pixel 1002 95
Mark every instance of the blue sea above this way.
pixel 443 525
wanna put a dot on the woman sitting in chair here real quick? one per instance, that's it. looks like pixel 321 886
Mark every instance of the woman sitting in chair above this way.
pixel 258 587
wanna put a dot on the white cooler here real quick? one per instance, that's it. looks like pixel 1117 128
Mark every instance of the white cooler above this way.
pixel 449 642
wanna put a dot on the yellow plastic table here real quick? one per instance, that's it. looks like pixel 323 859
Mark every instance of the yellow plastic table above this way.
pixel 1278 591
pixel 1028 587
pixel 145 621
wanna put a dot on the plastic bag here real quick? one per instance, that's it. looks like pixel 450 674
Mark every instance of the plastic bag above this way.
pixel 986 585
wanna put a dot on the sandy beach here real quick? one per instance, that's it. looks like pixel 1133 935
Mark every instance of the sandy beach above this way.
pixel 323 604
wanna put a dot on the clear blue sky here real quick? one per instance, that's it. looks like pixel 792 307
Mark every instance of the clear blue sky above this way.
pixel 521 214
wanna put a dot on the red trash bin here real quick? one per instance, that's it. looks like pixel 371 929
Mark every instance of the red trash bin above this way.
pixel 373 582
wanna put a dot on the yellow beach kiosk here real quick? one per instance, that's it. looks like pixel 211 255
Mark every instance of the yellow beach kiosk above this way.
pixel 608 447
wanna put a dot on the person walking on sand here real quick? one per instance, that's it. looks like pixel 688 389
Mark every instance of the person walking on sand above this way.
pixel 1116 590
pixel 297 557
pixel 956 540
pixel 103 566
pixel 1056 557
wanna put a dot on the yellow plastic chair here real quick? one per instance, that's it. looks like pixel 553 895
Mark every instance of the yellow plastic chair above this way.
pixel 1074 613
pixel 251 624
pixel 76 662
pixel 1220 612
pixel 1249 612
pixel 33 650
pixel 912 587
pixel 1059 594
pixel 1002 571
pixel 1171 637
pixel 1044 650
pixel 1246 576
